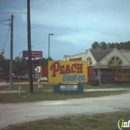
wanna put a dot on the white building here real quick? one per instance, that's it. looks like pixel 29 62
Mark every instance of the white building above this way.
pixel 98 60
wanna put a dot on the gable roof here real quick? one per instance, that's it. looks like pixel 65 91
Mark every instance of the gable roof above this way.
pixel 99 54
pixel 66 57
pixel 126 54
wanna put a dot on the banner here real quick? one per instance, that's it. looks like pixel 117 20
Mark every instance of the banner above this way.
pixel 122 77
pixel 67 71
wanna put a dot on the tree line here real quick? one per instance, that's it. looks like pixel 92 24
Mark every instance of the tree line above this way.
pixel 20 67
pixel 104 45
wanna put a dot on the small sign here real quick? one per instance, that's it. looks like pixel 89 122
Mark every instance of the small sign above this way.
pixel 33 54
pixel 68 87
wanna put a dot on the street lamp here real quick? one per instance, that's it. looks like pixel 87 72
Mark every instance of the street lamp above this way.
pixel 49 44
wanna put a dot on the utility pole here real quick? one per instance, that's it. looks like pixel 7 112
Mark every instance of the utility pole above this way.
pixel 11 52
pixel 50 34
pixel 29 46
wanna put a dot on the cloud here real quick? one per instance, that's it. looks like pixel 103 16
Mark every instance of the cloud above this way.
pixel 75 23
pixel 80 15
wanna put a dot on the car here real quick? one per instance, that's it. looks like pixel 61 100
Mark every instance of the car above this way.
pixel 94 80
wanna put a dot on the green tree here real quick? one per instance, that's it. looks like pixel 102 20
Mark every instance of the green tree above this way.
pixel 103 46
pixel 119 46
pixel 95 45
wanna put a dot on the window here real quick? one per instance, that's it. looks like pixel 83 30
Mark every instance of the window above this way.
pixel 115 61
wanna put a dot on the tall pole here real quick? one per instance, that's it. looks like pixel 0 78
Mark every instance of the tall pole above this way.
pixel 11 52
pixel 29 46
pixel 19 62
pixel 49 44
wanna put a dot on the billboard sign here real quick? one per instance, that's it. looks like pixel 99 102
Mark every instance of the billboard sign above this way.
pixel 33 54
pixel 67 71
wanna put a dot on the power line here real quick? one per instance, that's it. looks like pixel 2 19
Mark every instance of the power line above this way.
pixel 109 7
pixel 4 23
pixel 1 22
pixel 5 20
pixel 14 12
pixel 6 38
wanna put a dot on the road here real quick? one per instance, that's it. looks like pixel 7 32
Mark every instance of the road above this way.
pixel 25 112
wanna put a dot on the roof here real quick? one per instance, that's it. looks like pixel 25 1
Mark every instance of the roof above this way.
pixel 79 54
pixel 126 54
pixel 99 54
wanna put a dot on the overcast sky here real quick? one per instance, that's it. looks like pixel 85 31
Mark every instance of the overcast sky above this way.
pixel 76 24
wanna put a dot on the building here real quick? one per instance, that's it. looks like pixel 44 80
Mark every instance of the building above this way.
pixel 99 62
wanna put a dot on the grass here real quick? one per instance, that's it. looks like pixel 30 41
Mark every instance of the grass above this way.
pixel 49 95
pixel 106 86
pixel 106 121
pixel 50 86
pixel 42 96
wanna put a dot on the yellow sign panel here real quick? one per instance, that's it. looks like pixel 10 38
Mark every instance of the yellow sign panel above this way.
pixel 122 77
pixel 67 71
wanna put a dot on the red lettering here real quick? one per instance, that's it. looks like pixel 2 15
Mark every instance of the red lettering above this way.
pixel 73 67
pixel 79 68
pixel 62 69
pixel 66 69
pixel 55 68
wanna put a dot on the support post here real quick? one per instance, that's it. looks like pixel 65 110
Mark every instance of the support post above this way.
pixel 11 52
pixel 29 46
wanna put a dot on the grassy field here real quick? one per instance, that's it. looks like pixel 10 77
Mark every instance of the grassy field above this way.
pixel 46 86
pixel 106 121
pixel 38 95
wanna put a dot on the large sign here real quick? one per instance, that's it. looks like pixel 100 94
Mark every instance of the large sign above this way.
pixel 122 77
pixel 67 71
pixel 33 54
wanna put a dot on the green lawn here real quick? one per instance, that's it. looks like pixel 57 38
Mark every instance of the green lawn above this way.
pixel 49 95
pixel 106 121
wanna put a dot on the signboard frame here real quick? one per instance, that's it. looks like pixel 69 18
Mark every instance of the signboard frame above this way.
pixel 67 71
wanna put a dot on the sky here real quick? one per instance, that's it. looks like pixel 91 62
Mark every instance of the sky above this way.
pixel 76 25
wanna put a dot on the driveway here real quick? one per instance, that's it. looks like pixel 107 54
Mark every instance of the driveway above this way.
pixel 25 112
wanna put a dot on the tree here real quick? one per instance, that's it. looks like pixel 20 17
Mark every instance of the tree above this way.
pixel 119 46
pixel 95 45
pixel 103 46
pixel 43 62
pixel 1 64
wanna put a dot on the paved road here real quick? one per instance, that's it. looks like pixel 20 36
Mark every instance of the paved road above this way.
pixel 24 112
